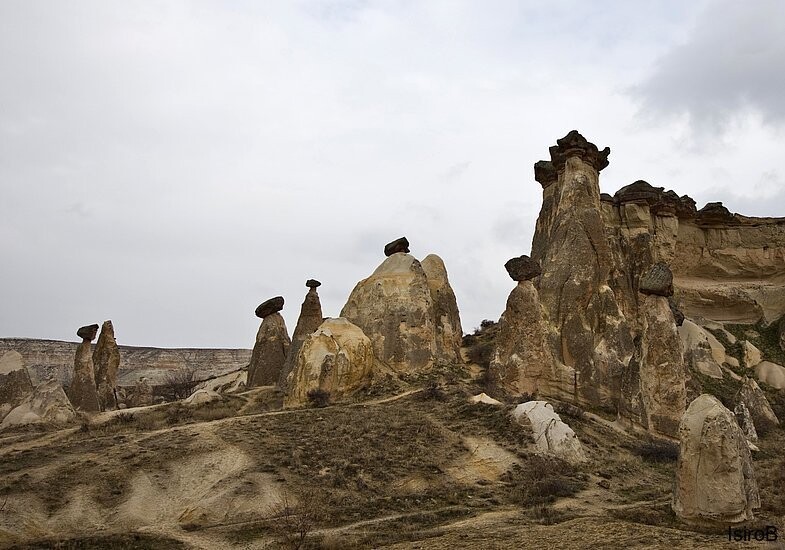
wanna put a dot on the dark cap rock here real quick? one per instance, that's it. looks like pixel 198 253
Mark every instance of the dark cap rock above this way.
pixel 545 173
pixel 268 307
pixel 657 280
pixel 574 144
pixel 87 332
pixel 398 245
pixel 678 316
pixel 312 283
pixel 522 268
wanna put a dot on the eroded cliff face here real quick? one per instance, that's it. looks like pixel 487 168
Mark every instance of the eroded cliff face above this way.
pixel 726 267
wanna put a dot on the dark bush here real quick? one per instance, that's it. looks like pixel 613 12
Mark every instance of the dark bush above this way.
pixel 657 451
pixel 318 398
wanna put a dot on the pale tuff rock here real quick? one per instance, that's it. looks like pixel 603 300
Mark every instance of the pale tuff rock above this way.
pixel 551 435
pixel 15 384
pixel 751 355
pixel 106 359
pixel 231 382
pixel 702 351
pixel 522 361
pixel 410 320
pixel 755 400
pixel 771 374
pixel 654 393
pixel 715 482
pixel 82 391
pixel 744 419
pixel 46 404
pixel 200 397
pixel 269 352
pixel 337 358
pixel 485 399
pixel 309 320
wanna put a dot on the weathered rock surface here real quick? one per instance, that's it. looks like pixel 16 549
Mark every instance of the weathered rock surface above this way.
pixel 141 395
pixel 771 374
pixel 199 397
pixel 715 482
pixel 54 359
pixel 702 351
pixel 106 360
pixel 398 245
pixel 657 280
pixel 781 332
pixel 751 355
pixel 551 435
pixel 654 395
pixel 337 358
pixel 744 419
pixel 485 399
pixel 312 283
pixel 269 352
pixel 46 404
pixel 309 320
pixel 522 268
pixel 82 391
pixel 756 402
pixel 87 332
pixel 411 321
pixel 15 384
pixel 268 307
pixel 231 382
pixel 522 361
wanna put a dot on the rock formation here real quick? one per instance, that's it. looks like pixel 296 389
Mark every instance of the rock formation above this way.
pixel 46 404
pixel 755 400
pixel 15 384
pixel 715 483
pixel 106 359
pixel 657 280
pixel 272 345
pixel 771 374
pixel 337 359
pixel 398 245
pixel 551 435
pixel 82 391
pixel 751 355
pixel 309 320
pixel 408 312
pixel 702 351
pixel 522 268
pixel 744 420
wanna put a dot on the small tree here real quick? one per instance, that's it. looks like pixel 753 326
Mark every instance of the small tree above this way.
pixel 292 522
pixel 179 384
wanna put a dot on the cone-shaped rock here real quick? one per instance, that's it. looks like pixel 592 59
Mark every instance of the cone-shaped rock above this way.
pixel 309 320
pixel 445 308
pixel 336 359
pixel 758 405
pixel 46 404
pixel 83 392
pixel 395 308
pixel 106 359
pixel 715 483
pixel 269 352
pixel 15 383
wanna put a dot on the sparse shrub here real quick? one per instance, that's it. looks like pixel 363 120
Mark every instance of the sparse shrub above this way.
pixel 178 384
pixel 655 450
pixel 292 522
pixel 318 398
pixel 434 391
pixel 542 479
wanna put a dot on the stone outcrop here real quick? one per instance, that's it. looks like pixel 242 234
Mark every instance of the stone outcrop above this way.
pixel 551 435
pixel 715 482
pixel 522 268
pixel 337 359
pixel 744 420
pixel 46 404
pixel 702 351
pixel 309 320
pixel 398 245
pixel 755 400
pixel 484 399
pixel 106 360
pixel 751 355
pixel 657 280
pixel 272 345
pixel 82 391
pixel 771 374
pixel 15 384
pixel 411 319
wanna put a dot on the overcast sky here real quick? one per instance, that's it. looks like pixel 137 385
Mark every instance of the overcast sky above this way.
pixel 169 165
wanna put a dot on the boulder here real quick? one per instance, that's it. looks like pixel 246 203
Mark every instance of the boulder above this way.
pixel 268 307
pixel 744 419
pixel 551 435
pixel 771 374
pixel 715 482
pixel 657 280
pixel 398 245
pixel 751 355
pixel 485 399
pixel 309 320
pixel 82 391
pixel 312 283
pixel 15 383
pixel 522 268
pixel 200 397
pixel 46 404
pixel 522 361
pixel 87 332
pixel 755 400
pixel 106 360
pixel 337 359
pixel 269 351
pixel 396 309
pixel 702 351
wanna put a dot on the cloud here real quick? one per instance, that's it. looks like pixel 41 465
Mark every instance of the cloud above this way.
pixel 730 65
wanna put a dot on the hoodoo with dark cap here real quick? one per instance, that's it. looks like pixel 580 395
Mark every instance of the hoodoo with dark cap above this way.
pixel 309 320
pixel 271 347
pixel 82 391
